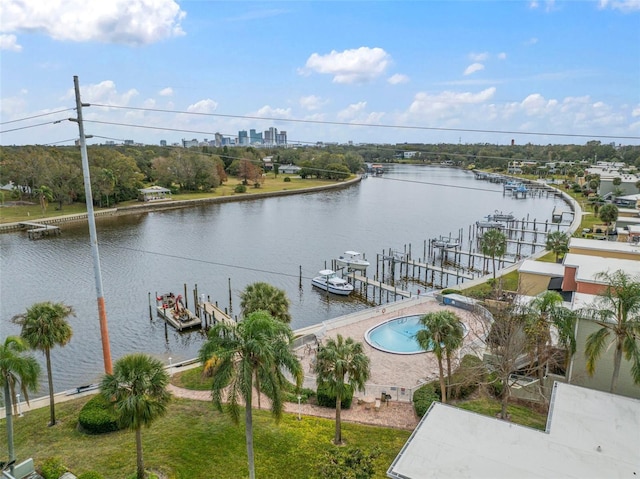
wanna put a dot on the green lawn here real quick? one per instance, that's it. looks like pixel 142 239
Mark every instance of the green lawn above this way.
pixel 519 414
pixel 12 214
pixel 193 441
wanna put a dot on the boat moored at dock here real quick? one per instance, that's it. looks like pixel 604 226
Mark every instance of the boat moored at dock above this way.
pixel 353 261
pixel 328 280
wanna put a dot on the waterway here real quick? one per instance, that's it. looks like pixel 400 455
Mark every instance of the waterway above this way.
pixel 222 247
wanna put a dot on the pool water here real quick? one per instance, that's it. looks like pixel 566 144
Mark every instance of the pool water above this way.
pixel 397 335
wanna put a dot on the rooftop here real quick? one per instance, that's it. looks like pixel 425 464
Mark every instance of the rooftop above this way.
pixel 590 434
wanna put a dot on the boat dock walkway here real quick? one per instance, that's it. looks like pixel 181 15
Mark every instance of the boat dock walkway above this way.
pixel 382 286
pixel 39 230
pixel 213 314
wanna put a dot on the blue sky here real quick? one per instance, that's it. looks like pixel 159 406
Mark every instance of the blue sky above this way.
pixel 330 71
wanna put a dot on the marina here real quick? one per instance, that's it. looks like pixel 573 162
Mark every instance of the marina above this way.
pixel 215 247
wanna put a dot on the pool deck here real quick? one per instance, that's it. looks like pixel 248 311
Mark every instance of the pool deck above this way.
pixel 395 374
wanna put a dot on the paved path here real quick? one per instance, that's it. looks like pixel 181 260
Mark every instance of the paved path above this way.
pixel 392 414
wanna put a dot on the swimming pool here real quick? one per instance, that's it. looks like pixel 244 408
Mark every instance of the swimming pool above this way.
pixel 397 335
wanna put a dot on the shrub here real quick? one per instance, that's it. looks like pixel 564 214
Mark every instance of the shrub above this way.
pixel 240 189
pixel 291 394
pixel 326 399
pixel 465 380
pixel 52 468
pixel 98 416
pixel 91 475
pixel 423 397
pixel 287 179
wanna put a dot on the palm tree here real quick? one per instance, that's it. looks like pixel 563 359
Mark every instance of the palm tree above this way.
pixel 341 363
pixel 263 296
pixel 493 244
pixel 546 312
pixel 257 347
pixel 45 326
pixel 442 334
pixel 617 311
pixel 557 243
pixel 16 369
pixel 608 213
pixel 138 390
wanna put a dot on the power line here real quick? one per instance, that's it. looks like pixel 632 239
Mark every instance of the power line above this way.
pixel 197 260
pixel 35 116
pixel 32 126
pixel 371 125
pixel 442 184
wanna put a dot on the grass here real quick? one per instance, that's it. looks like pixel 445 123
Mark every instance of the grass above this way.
pixel 12 214
pixel 194 441
pixel 484 290
pixel 519 414
pixel 192 379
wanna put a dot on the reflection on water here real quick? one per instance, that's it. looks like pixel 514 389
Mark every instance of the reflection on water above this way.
pixel 221 248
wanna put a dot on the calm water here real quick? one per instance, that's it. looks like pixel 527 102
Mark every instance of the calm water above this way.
pixel 237 243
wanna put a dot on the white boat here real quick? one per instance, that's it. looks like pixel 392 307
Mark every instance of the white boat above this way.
pixel 328 280
pixel 353 261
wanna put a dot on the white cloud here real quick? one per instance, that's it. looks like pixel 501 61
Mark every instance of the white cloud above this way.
pixel 9 42
pixel 474 67
pixel 397 79
pixel 549 5
pixel 133 22
pixel 203 106
pixel 351 111
pixel 356 113
pixel 270 112
pixel 350 66
pixel 479 57
pixel 624 6
pixel 311 102
pixel 636 111
pixel 531 41
pixel 104 92
pixel 502 56
pixel 166 92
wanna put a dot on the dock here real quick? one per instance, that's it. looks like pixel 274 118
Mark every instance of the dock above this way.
pixel 39 230
pixel 187 321
pixel 213 314
pixel 382 286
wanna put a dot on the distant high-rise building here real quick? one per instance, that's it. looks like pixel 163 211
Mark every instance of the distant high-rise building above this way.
pixel 270 136
pixel 255 138
pixel 281 138
pixel 218 139
pixel 189 143
pixel 163 142
pixel 243 138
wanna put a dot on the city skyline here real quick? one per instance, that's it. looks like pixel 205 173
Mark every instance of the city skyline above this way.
pixel 541 72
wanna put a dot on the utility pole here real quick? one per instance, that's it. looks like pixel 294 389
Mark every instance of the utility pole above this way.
pixel 102 311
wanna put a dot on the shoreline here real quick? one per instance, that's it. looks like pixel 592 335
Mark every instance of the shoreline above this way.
pixel 174 204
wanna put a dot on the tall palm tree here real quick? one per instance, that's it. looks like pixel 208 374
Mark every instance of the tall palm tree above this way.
pixel 341 362
pixel 557 243
pixel 452 342
pixel 546 313
pixel 16 369
pixel 265 297
pixel 45 326
pixel 494 244
pixel 617 311
pixel 442 333
pixel 257 347
pixel 138 390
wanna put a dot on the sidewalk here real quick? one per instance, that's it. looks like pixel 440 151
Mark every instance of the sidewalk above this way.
pixel 399 415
